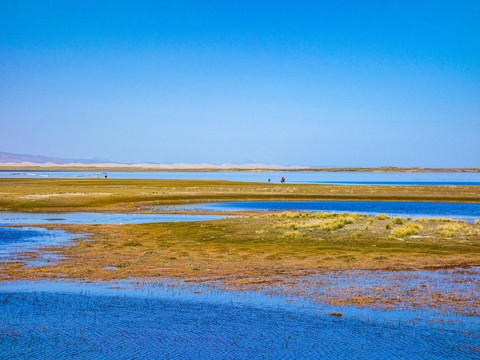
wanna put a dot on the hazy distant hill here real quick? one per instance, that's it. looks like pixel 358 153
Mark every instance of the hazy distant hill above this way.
pixel 26 161
pixel 39 159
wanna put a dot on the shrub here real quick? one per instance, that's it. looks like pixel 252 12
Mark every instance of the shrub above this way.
pixel 382 217
pixel 397 221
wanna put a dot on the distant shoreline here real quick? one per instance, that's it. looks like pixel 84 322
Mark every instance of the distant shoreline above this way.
pixel 120 167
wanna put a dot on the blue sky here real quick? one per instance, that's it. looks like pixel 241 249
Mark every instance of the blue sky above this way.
pixel 315 83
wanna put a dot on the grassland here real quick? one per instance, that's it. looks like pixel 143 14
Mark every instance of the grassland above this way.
pixel 128 195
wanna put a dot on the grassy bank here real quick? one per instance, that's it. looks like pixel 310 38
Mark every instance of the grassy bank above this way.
pixel 128 195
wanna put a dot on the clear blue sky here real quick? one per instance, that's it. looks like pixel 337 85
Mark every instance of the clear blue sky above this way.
pixel 341 83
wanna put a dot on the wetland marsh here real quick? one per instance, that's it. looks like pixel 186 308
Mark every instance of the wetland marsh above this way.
pixel 417 277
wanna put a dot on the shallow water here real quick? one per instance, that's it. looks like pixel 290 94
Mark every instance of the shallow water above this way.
pixel 96 218
pixel 292 177
pixel 418 289
pixel 39 321
pixel 15 241
pixel 464 211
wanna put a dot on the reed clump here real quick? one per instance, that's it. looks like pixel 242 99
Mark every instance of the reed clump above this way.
pixel 408 229
pixel 330 223
pixel 454 227
pixel 397 221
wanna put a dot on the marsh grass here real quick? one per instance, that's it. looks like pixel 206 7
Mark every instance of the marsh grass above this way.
pixel 292 234
pixel 56 195
pixel 323 224
pixel 408 229
pixel 446 233
pixel 397 221
pixel 453 227
pixel 243 249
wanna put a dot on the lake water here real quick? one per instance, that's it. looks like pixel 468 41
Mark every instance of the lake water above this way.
pixel 94 321
pixel 292 177
pixel 464 211
pixel 96 218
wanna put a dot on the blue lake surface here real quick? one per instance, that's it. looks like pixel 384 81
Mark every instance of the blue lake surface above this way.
pixel 96 218
pixel 465 211
pixel 292 177
pixel 46 320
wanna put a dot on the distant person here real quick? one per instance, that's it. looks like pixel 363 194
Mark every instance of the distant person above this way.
pixel 268 180
pixel 106 176
pixel 283 180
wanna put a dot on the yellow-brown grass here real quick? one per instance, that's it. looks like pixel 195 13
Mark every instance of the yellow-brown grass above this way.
pixel 127 195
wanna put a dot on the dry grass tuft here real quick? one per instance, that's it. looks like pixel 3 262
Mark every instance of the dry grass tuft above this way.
pixel 292 235
pixel 408 229
pixel 397 221
pixel 453 227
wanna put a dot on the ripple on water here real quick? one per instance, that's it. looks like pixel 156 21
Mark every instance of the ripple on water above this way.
pixel 85 325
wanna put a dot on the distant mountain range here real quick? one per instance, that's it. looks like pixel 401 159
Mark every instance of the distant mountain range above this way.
pixel 6 157
pixel 24 161
pixel 19 161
